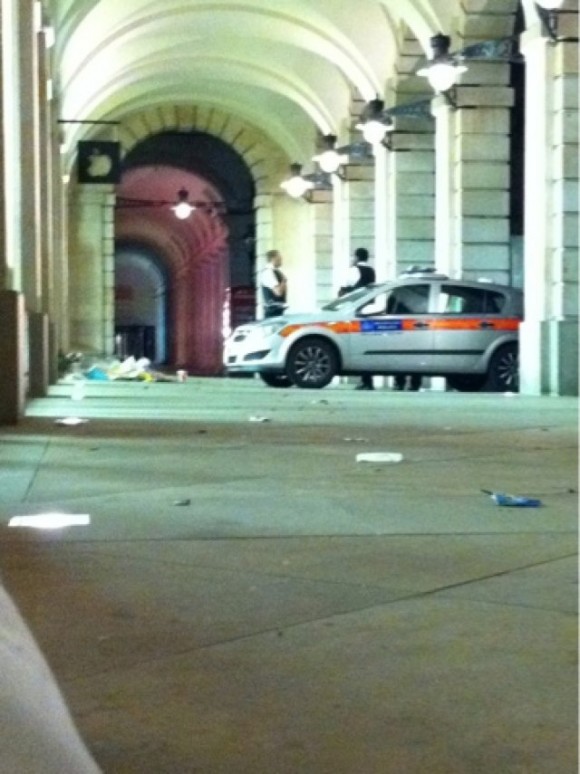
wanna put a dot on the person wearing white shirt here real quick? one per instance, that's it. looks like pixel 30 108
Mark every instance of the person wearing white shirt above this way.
pixel 359 275
pixel 274 285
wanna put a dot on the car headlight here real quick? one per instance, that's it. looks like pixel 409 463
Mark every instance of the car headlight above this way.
pixel 265 331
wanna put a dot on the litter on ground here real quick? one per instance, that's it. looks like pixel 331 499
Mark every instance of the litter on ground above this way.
pixel 379 457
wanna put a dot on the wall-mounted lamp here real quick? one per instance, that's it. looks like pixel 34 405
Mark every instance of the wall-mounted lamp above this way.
pixel 376 122
pixel 298 185
pixel 444 68
pixel 183 208
pixel 330 159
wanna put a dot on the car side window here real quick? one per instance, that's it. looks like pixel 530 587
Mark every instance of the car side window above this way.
pixel 408 299
pixel 455 299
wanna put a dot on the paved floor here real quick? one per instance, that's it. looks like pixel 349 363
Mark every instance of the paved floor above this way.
pixel 250 599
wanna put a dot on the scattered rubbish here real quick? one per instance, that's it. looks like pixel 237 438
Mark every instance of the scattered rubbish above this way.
pixel 356 440
pixel 78 391
pixel 258 419
pixel 78 367
pixel 187 501
pixel 71 421
pixel 509 394
pixel 499 498
pixel 380 457
pixel 181 375
pixel 51 520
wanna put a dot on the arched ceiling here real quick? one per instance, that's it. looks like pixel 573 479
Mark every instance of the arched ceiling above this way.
pixel 283 65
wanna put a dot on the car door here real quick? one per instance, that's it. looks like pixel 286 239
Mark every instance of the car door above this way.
pixel 395 334
pixel 469 320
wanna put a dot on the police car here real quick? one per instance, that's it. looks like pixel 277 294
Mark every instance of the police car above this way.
pixel 423 323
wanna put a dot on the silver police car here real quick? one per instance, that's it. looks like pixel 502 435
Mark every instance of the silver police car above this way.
pixel 424 324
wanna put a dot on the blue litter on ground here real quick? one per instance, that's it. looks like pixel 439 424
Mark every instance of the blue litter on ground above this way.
pixel 517 501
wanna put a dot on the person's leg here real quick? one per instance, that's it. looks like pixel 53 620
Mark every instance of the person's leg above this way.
pixel 366 382
pixel 399 383
pixel 415 382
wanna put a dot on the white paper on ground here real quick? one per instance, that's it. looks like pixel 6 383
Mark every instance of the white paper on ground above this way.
pixel 379 457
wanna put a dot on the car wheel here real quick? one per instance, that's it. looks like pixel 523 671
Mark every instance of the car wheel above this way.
pixel 276 380
pixel 466 382
pixel 504 370
pixel 312 363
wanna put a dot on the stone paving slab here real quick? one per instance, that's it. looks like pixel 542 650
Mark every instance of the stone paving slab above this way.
pixel 302 612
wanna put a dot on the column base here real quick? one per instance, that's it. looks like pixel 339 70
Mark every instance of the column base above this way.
pixel 13 355
pixel 39 345
pixel 549 357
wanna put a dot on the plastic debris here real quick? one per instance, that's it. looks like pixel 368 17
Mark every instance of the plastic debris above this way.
pixel 71 421
pixel 52 520
pixel 258 419
pixel 356 440
pixel 187 501
pixel 78 391
pixel 517 501
pixel 379 457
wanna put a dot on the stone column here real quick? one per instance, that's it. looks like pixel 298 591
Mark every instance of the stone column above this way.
pixel 91 270
pixel 360 189
pixel 340 232
pixel 472 234
pixel 31 220
pixel 413 178
pixel 549 334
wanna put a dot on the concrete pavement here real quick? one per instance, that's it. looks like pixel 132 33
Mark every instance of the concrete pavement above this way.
pixel 248 598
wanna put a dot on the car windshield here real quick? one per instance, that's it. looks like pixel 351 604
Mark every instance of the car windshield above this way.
pixel 350 298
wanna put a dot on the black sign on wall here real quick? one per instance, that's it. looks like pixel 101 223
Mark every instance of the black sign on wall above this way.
pixel 99 162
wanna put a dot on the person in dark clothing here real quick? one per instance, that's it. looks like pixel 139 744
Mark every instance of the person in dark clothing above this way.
pixel 273 284
pixel 359 275
pixel 413 384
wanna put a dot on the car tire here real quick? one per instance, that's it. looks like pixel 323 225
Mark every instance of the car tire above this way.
pixel 276 380
pixel 312 363
pixel 503 374
pixel 466 382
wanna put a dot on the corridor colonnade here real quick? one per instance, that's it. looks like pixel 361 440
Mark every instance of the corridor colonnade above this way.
pixel 443 194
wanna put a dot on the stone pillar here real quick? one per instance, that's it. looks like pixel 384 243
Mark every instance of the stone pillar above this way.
pixel 472 234
pixel 340 232
pixel 14 353
pixel 414 174
pixel 360 189
pixel 549 333
pixel 385 235
pixel 91 270
pixel 30 219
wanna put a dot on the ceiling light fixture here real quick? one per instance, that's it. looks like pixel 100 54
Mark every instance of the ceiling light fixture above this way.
pixel 183 208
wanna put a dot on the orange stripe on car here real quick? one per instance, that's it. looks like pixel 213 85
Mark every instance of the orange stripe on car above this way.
pixel 473 324
pixel 340 326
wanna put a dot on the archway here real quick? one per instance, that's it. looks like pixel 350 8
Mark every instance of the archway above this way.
pixel 203 258
pixel 141 300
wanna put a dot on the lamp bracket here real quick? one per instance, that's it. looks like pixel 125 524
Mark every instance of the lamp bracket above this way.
pixel 502 50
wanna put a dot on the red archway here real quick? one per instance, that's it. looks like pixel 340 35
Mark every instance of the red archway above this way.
pixel 195 255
